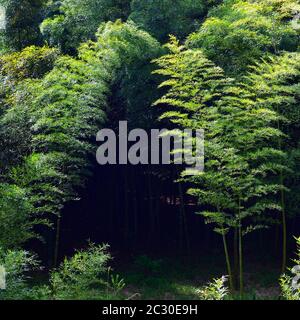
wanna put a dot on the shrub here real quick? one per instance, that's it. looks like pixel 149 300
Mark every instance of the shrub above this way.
pixel 216 290
pixel 17 264
pixel 290 286
pixel 85 276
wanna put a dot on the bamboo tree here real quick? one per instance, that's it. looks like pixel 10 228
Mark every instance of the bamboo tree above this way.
pixel 274 83
pixel 239 159
pixel 64 103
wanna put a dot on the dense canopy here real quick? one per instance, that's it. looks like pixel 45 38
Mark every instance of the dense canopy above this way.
pixel 70 68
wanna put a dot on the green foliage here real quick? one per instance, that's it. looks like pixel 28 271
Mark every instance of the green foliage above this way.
pixel 22 22
pixel 17 265
pixel 73 97
pixel 52 105
pixel 164 17
pixel 32 62
pixel 59 114
pixel 134 86
pixel 234 166
pixel 16 69
pixel 287 290
pixel 241 157
pixel 290 283
pixel 65 111
pixel 274 83
pixel 216 290
pixel 53 31
pixel 293 183
pixel 238 33
pixel 117 284
pixel 49 122
pixel 16 217
pixel 45 183
pixel 84 276
pixel 78 21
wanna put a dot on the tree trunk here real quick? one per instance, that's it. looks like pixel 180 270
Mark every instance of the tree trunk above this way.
pixel 57 238
pixel 228 262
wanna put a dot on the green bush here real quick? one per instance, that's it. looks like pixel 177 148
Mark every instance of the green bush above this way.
pixel 216 290
pixel 17 265
pixel 86 276
pixel 290 284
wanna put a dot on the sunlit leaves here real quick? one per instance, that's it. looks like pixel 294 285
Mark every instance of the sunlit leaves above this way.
pixel 237 33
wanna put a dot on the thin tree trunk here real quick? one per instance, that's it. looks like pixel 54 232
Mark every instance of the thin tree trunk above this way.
pixel 157 211
pixel 284 232
pixel 284 227
pixel 111 195
pixel 183 220
pixel 151 214
pixel 241 253
pixel 126 211
pixel 236 258
pixel 135 212
pixel 228 262
pixel 241 262
pixel 277 239
pixel 57 238
pixel 282 199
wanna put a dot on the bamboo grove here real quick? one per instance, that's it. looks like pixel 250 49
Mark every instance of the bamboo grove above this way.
pixel 231 68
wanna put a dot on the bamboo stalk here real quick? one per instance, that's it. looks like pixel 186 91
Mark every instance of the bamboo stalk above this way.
pixel 228 262
pixel 57 238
